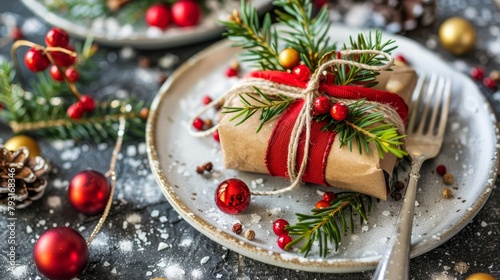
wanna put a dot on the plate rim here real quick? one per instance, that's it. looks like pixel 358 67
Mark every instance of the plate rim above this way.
pixel 280 259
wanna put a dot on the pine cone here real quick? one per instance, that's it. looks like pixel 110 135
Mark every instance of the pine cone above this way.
pixel 26 172
pixel 402 15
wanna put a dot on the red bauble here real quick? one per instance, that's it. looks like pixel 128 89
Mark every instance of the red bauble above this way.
pixel 63 59
pixel 36 60
pixel 339 111
pixel 283 240
pixel 198 124
pixel 216 136
pixel 89 192
pixel 322 204
pixel 61 253
pixel 279 227
pixel 477 73
pixel 186 13
pixel 75 111
pixel 329 196
pixel 56 74
pixel 56 37
pixel 441 170
pixel 322 105
pixel 158 15
pixel 87 103
pixel 72 74
pixel 301 73
pixel 232 196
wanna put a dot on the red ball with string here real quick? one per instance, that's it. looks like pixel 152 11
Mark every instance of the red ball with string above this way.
pixel 88 192
pixel 232 196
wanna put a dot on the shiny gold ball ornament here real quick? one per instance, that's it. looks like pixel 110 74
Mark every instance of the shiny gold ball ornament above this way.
pixel 481 276
pixel 22 140
pixel 289 58
pixel 457 35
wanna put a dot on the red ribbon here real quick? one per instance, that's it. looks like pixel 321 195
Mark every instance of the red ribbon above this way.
pixel 320 141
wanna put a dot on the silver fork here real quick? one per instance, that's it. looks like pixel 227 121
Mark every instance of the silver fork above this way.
pixel 426 127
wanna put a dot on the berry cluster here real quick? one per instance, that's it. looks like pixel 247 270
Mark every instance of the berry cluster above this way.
pixel 279 228
pixel 338 111
pixel 479 74
pixel 183 13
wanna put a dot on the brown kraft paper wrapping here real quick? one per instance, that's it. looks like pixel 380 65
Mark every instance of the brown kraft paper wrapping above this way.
pixel 245 150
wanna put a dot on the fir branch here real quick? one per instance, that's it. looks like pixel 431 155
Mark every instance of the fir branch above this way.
pixel 364 127
pixel 269 108
pixel 261 42
pixel 327 225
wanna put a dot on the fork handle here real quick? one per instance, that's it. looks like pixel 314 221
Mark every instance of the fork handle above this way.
pixel 394 265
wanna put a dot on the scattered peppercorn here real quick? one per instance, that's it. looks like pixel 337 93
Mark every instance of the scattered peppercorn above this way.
pixel 208 166
pixel 209 123
pixel 448 178
pixel 237 228
pixel 441 170
pixel 399 185
pixel 200 169
pixel 396 195
pixel 250 234
pixel 495 75
pixel 447 193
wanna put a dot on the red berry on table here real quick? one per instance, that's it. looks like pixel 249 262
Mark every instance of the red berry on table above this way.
pixel 61 253
pixel 477 73
pixel 441 170
pixel 88 192
pixel 322 204
pixel 301 73
pixel 283 240
pixel 206 100
pixel 232 196
pixel 490 83
pixel 231 72
pixel 322 105
pixel 186 13
pixel 401 58
pixel 75 111
pixel 72 74
pixel 339 111
pixel 17 33
pixel 198 124
pixel 329 196
pixel 279 227
pixel 36 60
pixel 56 37
pixel 87 102
pixel 63 59
pixel 158 15
pixel 216 136
pixel 56 74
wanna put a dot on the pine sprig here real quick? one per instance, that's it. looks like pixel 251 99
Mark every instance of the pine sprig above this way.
pixel 269 108
pixel 363 127
pixel 327 225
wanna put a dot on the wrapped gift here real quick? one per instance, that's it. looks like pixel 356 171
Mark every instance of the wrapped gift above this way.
pixel 328 163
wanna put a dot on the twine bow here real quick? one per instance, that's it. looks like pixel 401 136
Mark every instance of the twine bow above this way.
pixel 304 117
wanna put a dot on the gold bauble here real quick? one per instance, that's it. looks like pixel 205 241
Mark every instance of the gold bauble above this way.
pixel 289 58
pixel 480 276
pixel 457 35
pixel 22 140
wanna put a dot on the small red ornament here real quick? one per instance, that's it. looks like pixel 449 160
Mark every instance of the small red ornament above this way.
pixel 72 74
pixel 56 37
pixel 216 136
pixel 322 204
pixel 328 79
pixel 186 13
pixel 279 227
pixel 206 100
pixel 88 192
pixel 477 73
pixel 198 124
pixel 329 196
pixel 322 105
pixel 158 15
pixel 490 83
pixel 301 73
pixel 87 103
pixel 64 59
pixel 61 253
pixel 441 170
pixel 401 58
pixel 283 240
pixel 56 74
pixel 36 60
pixel 231 72
pixel 17 33
pixel 232 196
pixel 75 111
pixel 339 111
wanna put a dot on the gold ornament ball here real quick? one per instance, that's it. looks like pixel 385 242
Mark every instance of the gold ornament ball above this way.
pixel 457 35
pixel 480 276
pixel 289 58
pixel 22 140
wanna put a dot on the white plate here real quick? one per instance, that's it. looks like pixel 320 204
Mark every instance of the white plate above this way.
pixel 469 151
pixel 107 31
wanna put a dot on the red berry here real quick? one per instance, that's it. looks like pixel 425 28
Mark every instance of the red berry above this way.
pixel 75 111
pixel 320 3
pixel 232 196
pixel 206 100
pixel 63 59
pixel 36 60
pixel 322 204
pixel 198 124
pixel 490 83
pixel 87 103
pixel 401 58
pixel 186 13
pixel 329 196
pixel 72 74
pixel 441 170
pixel 56 37
pixel 17 33
pixel 339 111
pixel 477 73
pixel 216 136
pixel 279 227
pixel 301 73
pixel 283 240
pixel 56 74
pixel 158 15
pixel 322 105
pixel 328 79
pixel 231 72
